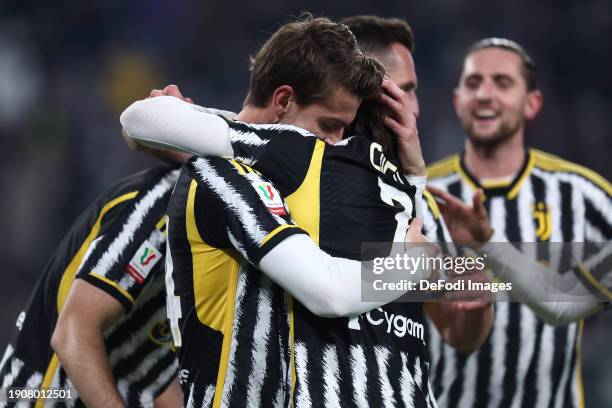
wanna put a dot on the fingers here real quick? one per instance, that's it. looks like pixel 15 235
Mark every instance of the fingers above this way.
pixel 448 198
pixel 478 202
pixel 392 90
pixel 173 90
pixel 156 92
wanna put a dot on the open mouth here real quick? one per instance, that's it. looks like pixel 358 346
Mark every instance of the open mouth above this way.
pixel 485 114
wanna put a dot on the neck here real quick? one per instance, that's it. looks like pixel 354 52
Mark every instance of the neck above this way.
pixel 253 114
pixel 502 160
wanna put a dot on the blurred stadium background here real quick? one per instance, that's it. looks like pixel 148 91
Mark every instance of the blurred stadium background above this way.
pixel 68 68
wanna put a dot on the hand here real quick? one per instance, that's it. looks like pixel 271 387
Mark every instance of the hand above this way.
pixel 402 121
pixel 170 90
pixel 467 225
pixel 469 299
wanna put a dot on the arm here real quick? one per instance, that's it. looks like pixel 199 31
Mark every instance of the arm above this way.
pixel 326 285
pixel 172 396
pixel 78 341
pixel 262 232
pixel 167 122
pixel 528 277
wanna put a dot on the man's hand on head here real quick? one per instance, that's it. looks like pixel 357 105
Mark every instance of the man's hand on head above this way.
pixel 402 121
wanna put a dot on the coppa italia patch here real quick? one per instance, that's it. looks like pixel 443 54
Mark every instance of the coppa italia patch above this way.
pixel 143 262
pixel 270 197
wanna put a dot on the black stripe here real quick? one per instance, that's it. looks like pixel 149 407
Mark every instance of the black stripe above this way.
pixel 456 189
pixel 513 334
pixel 529 397
pixel 560 339
pixel 136 320
pixel 437 377
pixel 539 197
pixel 595 218
pixel 512 221
pixel 483 376
pixel 244 334
pixel 567 223
pixel 456 387
pixel 569 400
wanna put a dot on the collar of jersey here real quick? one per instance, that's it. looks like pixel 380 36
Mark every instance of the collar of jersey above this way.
pixel 509 189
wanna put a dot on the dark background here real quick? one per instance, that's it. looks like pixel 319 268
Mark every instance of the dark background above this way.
pixel 68 68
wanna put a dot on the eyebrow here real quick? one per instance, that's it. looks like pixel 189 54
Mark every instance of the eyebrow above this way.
pixel 408 86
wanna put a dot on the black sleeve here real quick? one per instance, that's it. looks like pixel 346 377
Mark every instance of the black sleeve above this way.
pixel 128 250
pixel 236 207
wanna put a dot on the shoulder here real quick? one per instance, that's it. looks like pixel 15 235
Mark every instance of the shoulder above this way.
pixel 551 163
pixel 443 168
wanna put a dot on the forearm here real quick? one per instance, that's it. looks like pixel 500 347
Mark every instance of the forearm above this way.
pixel 82 353
pixel 169 123
pixel 530 284
pixel 465 330
pixel 328 286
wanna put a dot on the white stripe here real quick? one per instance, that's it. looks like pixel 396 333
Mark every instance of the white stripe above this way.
pixel 34 383
pixel 209 395
pixel 565 375
pixel 406 383
pixel 136 339
pixel 230 375
pixel 382 360
pixel 331 372
pixel 147 395
pixel 190 401
pixel 7 354
pixel 544 367
pixel 526 349
pixel 16 366
pixel 470 373
pixel 126 236
pixel 261 344
pixel 123 385
pixel 499 341
pixel 359 371
pixel 240 208
pixel 302 394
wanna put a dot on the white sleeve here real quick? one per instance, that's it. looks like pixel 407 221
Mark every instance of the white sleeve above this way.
pixel 419 182
pixel 529 277
pixel 168 123
pixel 325 285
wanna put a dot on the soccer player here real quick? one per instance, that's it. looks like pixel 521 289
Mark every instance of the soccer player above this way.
pixel 529 196
pixel 365 361
pixel 96 325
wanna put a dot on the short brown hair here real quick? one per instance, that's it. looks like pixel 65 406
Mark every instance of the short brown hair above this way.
pixel 375 33
pixel 314 56
pixel 529 68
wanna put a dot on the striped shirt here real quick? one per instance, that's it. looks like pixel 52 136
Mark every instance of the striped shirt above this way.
pixel 524 362
pixel 117 245
pixel 342 195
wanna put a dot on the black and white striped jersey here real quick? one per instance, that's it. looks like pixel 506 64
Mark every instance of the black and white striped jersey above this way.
pixel 525 362
pixel 117 245
pixel 343 195
pixel 229 321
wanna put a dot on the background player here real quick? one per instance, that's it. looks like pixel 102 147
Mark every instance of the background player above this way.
pixel 96 322
pixel 530 196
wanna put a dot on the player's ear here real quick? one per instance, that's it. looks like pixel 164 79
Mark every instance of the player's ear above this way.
pixel 456 100
pixel 534 103
pixel 282 98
